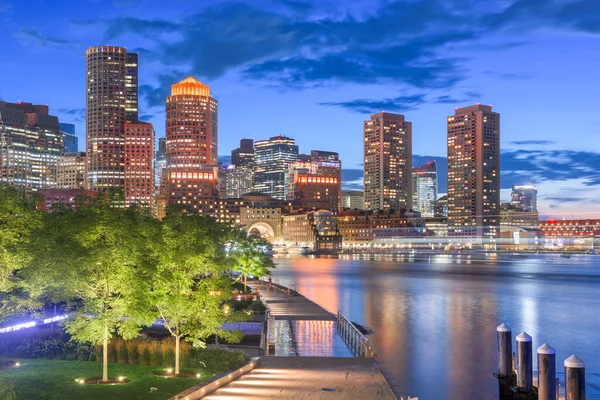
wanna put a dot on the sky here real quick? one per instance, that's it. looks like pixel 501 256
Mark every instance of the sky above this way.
pixel 314 70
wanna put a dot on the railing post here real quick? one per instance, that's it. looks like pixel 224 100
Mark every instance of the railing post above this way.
pixel 574 378
pixel 546 372
pixel 525 369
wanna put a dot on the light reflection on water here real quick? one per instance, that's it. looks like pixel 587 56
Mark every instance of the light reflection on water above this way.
pixel 435 317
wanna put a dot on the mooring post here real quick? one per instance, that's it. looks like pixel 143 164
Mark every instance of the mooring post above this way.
pixel 546 372
pixel 525 368
pixel 504 351
pixel 574 378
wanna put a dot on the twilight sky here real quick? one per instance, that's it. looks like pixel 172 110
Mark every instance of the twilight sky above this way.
pixel 315 69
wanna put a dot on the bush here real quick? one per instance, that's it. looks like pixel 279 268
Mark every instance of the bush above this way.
pixel 167 348
pixel 184 352
pixel 155 352
pixel 7 390
pixel 217 356
pixel 144 352
pixel 257 306
pixel 120 349
pixel 132 352
pixel 48 343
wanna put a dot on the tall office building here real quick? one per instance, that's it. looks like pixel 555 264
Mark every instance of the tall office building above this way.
pixel 316 184
pixel 474 172
pixel 191 128
pixel 31 145
pixel 191 147
pixel 524 197
pixel 425 188
pixel 271 160
pixel 139 164
pixel 70 172
pixel 70 141
pixel 238 181
pixel 160 161
pixel 111 101
pixel 243 155
pixel 387 162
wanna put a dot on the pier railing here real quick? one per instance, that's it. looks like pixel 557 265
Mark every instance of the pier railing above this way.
pixel 357 342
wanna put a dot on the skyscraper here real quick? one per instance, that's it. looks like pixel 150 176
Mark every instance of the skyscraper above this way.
pixel 425 188
pixel 71 143
pixel 191 128
pixel 387 162
pixel 111 101
pixel 191 147
pixel 271 160
pixel 70 172
pixel 30 145
pixel 524 197
pixel 474 172
pixel 243 155
pixel 160 161
pixel 238 181
pixel 139 164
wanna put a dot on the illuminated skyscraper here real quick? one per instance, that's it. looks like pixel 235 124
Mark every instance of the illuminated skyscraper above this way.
pixel 191 147
pixel 425 188
pixel 139 164
pixel 474 172
pixel 271 160
pixel 243 155
pixel 524 197
pixel 111 101
pixel 160 161
pixel 70 172
pixel 387 162
pixel 70 140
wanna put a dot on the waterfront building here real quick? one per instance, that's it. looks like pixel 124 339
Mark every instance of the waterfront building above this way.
pixel 243 156
pixel 474 173
pixel 31 145
pixel 441 207
pixel 111 101
pixel 263 221
pixel 437 226
pixel 353 199
pixel 315 184
pixel 271 160
pixel 49 199
pixel 70 171
pixel 160 161
pixel 572 234
pixel 312 231
pixel 387 162
pixel 425 188
pixel 239 181
pixel 139 164
pixel 70 140
pixel 524 197
pixel 510 215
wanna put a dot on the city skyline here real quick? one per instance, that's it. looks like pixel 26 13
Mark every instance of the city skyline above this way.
pixel 562 164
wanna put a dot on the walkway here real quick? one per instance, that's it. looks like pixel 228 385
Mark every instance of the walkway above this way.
pixel 309 378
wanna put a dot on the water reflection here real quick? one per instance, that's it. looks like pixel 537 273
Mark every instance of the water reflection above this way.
pixel 435 316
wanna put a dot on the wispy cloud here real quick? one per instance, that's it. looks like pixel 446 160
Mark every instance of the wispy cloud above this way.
pixel 532 142
pixel 74 114
pixel 33 37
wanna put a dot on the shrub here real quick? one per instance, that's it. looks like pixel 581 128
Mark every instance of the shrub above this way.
pixel 257 305
pixel 112 351
pixel 167 348
pixel 121 350
pixel 46 342
pixel 217 356
pixel 7 390
pixel 132 352
pixel 144 352
pixel 184 352
pixel 155 352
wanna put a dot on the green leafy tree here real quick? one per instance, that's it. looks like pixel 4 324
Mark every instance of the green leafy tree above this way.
pixel 95 258
pixel 18 221
pixel 249 257
pixel 189 287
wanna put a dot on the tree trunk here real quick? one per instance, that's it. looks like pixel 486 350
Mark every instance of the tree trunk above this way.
pixel 245 280
pixel 177 339
pixel 105 359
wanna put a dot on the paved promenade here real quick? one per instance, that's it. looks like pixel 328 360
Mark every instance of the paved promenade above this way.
pixel 305 378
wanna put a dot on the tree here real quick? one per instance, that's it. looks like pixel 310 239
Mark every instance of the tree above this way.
pixel 189 287
pixel 250 258
pixel 95 260
pixel 18 220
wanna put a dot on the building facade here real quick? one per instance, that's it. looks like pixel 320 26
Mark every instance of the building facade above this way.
pixel 271 160
pixel 314 231
pixel 51 199
pixel 264 221
pixel 387 162
pixel 425 187
pixel 111 101
pixel 243 156
pixel 510 215
pixel 474 173
pixel 70 172
pixel 139 164
pixel 194 190
pixel 353 199
pixel 239 181
pixel 524 197
pixel 70 141
pixel 31 145
pixel 160 161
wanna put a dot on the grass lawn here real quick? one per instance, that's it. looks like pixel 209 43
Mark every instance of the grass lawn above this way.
pixel 55 379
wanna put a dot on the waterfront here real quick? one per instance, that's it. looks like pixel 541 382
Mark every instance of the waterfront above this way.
pixel 435 317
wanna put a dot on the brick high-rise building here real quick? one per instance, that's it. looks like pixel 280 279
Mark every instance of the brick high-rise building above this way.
pixel 139 164
pixel 387 162
pixel 193 190
pixel 111 101
pixel 474 172
pixel 70 172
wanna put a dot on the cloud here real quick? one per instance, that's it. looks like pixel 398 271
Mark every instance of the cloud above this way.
pixel 75 114
pixel 532 142
pixel 368 106
pixel 33 37
pixel 146 117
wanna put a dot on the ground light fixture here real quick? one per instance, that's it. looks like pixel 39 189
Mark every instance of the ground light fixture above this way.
pixel 121 379
pixel 17 364
pixel 198 375
pixel 169 370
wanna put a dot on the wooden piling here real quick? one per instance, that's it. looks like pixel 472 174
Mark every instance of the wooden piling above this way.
pixel 574 378
pixel 546 373
pixel 525 367
pixel 504 351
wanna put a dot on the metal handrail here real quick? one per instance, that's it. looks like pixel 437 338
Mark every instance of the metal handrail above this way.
pixel 355 340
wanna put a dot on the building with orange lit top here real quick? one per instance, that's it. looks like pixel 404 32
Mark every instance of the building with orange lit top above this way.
pixel 193 190
pixel 139 164
pixel 111 101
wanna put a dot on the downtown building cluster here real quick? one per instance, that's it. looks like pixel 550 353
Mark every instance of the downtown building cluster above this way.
pixel 270 187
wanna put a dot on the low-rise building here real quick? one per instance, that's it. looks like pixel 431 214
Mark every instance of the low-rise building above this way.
pixel 49 199
pixel 314 231
pixel 262 221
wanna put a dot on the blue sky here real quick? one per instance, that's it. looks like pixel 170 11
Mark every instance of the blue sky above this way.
pixel 314 70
